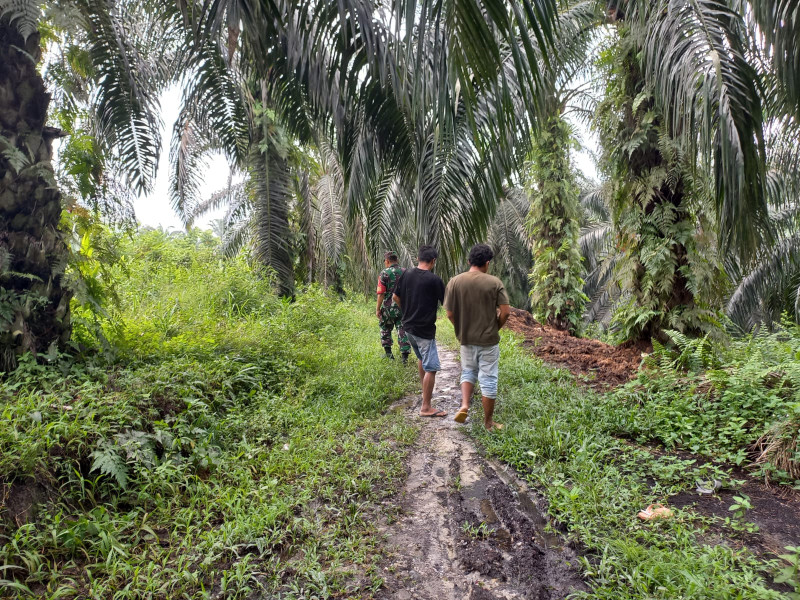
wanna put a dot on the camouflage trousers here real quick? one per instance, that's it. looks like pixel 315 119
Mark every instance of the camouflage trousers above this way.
pixel 390 318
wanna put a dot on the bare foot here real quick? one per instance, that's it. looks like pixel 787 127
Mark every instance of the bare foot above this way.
pixel 493 426
pixel 433 413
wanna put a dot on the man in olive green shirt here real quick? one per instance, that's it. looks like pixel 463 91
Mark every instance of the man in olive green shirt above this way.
pixel 477 304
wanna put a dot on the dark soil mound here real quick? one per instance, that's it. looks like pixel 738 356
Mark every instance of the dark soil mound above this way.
pixel 599 365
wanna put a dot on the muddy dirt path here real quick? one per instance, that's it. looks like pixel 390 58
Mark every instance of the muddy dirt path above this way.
pixel 468 527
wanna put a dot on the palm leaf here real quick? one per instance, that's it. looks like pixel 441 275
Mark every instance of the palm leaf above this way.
pixel 694 58
pixel 270 178
pixel 129 76
pixel 22 14
pixel 779 23
pixel 759 295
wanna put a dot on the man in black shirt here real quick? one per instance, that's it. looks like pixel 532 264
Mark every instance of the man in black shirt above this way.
pixel 418 293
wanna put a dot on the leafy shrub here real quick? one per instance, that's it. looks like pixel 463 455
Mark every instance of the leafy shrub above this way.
pixel 718 399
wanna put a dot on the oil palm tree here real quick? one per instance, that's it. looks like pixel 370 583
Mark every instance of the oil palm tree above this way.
pixel 34 306
pixel 347 69
pixel 410 92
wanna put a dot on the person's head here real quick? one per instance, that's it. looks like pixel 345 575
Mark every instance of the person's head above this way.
pixel 479 257
pixel 390 258
pixel 427 255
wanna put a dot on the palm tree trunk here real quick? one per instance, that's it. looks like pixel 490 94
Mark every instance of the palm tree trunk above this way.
pixel 34 307
pixel 651 217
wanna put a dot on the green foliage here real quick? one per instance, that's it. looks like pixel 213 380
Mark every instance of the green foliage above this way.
pixel 556 285
pixel 240 446
pixel 94 264
pixel 791 573
pixel 562 438
pixel 715 398
pixel 509 239
pixel 664 278
pixel 741 504
pixel 22 14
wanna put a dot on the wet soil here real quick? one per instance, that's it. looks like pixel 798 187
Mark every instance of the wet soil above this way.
pixel 594 363
pixel 776 515
pixel 468 528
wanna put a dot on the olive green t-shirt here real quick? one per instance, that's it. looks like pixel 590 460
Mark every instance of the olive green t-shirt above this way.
pixel 473 298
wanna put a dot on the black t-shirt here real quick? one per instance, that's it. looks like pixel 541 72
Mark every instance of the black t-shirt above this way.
pixel 420 294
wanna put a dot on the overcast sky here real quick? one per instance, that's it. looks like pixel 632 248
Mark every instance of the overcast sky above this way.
pixel 155 209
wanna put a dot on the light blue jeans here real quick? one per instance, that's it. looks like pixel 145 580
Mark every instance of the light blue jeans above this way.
pixel 426 351
pixel 481 363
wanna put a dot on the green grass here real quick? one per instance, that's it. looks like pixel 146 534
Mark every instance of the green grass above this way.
pixel 239 446
pixel 560 437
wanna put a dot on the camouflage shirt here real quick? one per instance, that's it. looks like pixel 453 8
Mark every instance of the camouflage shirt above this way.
pixel 387 282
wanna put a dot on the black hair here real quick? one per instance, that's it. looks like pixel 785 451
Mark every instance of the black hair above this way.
pixel 480 255
pixel 427 254
pixel 391 256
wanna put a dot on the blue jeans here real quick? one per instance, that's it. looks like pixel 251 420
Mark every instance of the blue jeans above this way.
pixel 426 352
pixel 481 364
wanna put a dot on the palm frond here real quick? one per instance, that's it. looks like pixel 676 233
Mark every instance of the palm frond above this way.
pixel 594 204
pixel 509 239
pixel 129 79
pixel 759 295
pixel 602 290
pixel 595 242
pixel 213 117
pixel 779 23
pixel 270 177
pixel 22 14
pixel 327 192
pixel 231 195
pixel 694 58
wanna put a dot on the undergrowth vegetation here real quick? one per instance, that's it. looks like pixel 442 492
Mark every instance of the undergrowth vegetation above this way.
pixel 737 400
pixel 563 438
pixel 237 444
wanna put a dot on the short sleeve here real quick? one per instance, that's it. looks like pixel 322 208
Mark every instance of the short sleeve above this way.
pixel 502 295
pixel 383 279
pixel 441 291
pixel 448 299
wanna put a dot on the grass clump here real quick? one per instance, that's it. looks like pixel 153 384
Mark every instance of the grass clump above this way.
pixel 237 447
pixel 562 438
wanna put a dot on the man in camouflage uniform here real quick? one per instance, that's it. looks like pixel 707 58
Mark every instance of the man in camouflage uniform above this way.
pixel 388 313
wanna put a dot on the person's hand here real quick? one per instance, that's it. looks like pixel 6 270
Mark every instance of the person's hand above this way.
pixel 378 313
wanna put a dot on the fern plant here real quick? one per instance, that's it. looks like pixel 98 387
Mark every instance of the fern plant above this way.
pixel 109 460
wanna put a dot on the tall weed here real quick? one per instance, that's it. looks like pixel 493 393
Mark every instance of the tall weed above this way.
pixel 238 446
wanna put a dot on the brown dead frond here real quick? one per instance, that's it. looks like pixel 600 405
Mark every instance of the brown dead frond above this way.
pixel 779 447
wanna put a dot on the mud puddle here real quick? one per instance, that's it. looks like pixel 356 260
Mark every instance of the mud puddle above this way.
pixel 468 528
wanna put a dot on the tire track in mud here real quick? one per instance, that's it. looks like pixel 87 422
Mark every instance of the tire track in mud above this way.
pixel 468 527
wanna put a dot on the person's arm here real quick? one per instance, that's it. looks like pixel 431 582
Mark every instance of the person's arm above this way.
pixel 381 293
pixel 396 299
pixel 503 305
pixel 378 308
pixel 448 304
pixel 502 315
